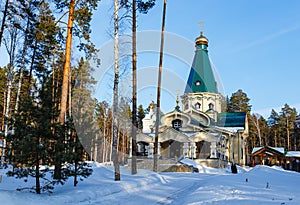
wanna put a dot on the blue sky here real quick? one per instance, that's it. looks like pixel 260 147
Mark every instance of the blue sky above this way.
pixel 254 45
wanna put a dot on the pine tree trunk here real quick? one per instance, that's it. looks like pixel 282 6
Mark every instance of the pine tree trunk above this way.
pixel 75 162
pixel 275 145
pixel 75 173
pixel 288 134
pixel 65 87
pixel 66 71
pixel 31 65
pixel 115 93
pixel 37 169
pixel 104 140
pixel 21 69
pixel 155 166
pixel 134 87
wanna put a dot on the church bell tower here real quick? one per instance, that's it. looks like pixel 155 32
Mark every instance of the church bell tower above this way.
pixel 201 92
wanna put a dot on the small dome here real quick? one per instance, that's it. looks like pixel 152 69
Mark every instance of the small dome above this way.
pixel 201 40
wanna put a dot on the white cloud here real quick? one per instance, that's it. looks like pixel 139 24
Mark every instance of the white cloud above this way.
pixel 267 38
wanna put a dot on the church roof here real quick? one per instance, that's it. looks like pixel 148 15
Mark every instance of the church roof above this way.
pixel 231 119
pixel 201 77
pixel 278 150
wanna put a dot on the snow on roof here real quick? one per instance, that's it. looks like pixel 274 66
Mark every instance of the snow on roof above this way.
pixel 232 129
pixel 293 154
pixel 189 134
pixel 255 149
pixel 278 149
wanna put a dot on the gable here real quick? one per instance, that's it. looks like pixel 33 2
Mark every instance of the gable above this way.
pixel 268 150
pixel 172 134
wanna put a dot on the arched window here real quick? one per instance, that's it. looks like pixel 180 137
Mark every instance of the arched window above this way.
pixel 176 124
pixel 197 105
pixel 186 106
pixel 211 106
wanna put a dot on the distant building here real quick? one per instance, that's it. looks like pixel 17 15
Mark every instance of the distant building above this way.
pixel 198 129
pixel 270 156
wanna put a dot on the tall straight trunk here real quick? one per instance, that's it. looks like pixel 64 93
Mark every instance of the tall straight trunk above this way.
pixel 11 50
pixel 67 63
pixel 111 140
pixel 3 112
pixel 161 54
pixel 288 133
pixel 65 86
pixel 134 85
pixel 6 116
pixel 104 140
pixel 75 182
pixel 37 168
pixel 115 93
pixel 3 20
pixel 31 64
pixel 275 139
pixel 70 94
pixel 21 69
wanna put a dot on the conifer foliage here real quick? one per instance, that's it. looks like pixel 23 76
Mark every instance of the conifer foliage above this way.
pixel 278 130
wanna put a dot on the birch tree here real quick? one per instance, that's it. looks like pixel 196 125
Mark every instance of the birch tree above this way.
pixel 115 92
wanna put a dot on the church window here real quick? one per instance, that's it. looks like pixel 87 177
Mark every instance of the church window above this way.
pixel 198 83
pixel 211 106
pixel 176 124
pixel 197 105
pixel 186 106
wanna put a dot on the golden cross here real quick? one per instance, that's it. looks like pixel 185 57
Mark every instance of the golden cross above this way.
pixel 177 97
pixel 201 24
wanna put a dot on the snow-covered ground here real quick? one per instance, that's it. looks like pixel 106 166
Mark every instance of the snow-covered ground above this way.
pixel 258 185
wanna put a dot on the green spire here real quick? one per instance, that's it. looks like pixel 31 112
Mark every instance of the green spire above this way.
pixel 201 78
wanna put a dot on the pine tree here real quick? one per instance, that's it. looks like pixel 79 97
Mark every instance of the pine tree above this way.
pixel 30 145
pixel 239 102
pixel 140 117
pixel 273 123
pixel 102 120
pixel 84 120
pixel 287 119
pixel 79 19
pixel 124 128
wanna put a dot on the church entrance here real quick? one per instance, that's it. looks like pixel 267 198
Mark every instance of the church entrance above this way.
pixel 171 149
pixel 142 149
pixel 203 150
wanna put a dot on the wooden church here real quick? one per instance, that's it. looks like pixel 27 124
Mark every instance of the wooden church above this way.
pixel 198 128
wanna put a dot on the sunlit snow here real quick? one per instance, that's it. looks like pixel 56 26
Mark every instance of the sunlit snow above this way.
pixel 258 185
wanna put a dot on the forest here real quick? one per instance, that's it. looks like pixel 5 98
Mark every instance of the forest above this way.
pixel 48 113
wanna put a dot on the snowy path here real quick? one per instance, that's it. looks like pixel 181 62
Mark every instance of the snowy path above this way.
pixel 216 187
pixel 184 190
pixel 172 189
